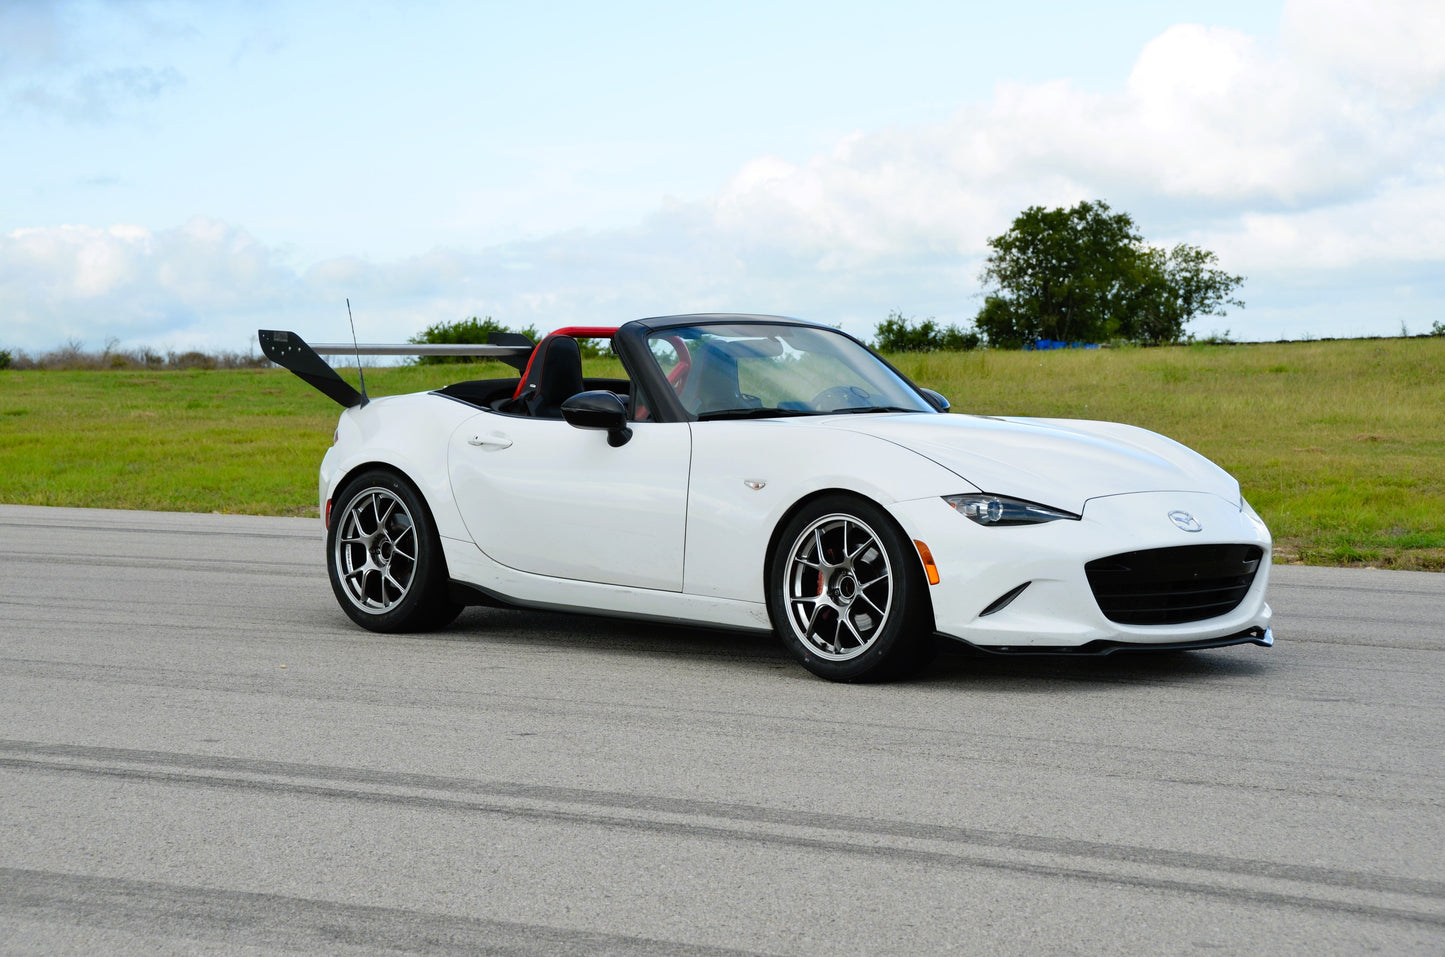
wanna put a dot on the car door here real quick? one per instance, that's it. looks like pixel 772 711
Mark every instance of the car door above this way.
pixel 541 496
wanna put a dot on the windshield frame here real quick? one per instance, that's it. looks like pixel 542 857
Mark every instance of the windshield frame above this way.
pixel 633 347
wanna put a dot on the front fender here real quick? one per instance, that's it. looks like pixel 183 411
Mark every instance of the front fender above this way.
pixel 730 522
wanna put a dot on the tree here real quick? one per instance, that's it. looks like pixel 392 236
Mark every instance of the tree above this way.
pixel 1086 275
pixel 1173 288
pixel 1059 274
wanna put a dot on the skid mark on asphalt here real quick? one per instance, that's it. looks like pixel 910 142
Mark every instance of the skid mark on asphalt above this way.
pixel 155 909
pixel 250 566
pixel 1195 765
pixel 129 529
pixel 1261 883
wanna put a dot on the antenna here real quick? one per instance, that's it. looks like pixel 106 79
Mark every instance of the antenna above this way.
pixel 357 347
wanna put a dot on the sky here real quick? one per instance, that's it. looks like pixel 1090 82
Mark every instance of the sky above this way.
pixel 176 174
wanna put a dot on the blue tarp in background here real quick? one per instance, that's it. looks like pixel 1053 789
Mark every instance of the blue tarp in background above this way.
pixel 1056 344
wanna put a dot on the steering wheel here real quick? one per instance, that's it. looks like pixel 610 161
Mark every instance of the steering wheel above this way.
pixel 840 397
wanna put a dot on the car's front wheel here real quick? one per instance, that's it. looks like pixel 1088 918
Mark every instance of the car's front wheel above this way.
pixel 384 556
pixel 846 592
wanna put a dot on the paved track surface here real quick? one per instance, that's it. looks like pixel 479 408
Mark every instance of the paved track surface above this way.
pixel 200 754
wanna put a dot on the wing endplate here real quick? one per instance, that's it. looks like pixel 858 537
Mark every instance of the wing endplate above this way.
pixel 290 351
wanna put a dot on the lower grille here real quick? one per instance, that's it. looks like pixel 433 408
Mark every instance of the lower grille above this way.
pixel 1170 586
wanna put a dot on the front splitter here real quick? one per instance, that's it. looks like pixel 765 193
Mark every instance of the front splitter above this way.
pixel 1263 637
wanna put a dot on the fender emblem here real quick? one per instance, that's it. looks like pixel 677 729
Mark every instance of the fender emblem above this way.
pixel 1185 522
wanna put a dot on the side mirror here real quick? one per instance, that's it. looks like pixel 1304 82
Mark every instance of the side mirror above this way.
pixel 599 410
pixel 935 398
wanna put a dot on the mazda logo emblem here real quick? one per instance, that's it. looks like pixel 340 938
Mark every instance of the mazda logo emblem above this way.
pixel 1185 522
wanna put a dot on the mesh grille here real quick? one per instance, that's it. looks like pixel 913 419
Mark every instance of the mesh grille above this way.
pixel 1169 586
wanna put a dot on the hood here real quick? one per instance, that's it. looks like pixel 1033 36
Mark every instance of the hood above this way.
pixel 1057 462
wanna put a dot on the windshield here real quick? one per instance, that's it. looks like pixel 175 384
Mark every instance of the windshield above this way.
pixel 744 370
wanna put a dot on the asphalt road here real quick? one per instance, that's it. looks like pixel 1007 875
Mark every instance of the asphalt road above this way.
pixel 200 754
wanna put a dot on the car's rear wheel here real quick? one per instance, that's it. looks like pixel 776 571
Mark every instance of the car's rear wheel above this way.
pixel 846 592
pixel 384 556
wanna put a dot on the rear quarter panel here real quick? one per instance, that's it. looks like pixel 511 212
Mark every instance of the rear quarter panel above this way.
pixel 407 433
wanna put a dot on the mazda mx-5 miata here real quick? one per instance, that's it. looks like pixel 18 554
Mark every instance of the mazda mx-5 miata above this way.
pixel 755 472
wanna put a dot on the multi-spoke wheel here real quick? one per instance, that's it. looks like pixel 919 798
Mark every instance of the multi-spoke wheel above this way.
pixel 845 592
pixel 839 587
pixel 376 550
pixel 384 558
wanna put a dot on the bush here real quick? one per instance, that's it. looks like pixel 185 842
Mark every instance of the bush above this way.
pixel 475 331
pixel 897 334
pixel 189 360
pixel 5 358
pixel 471 330
pixel 73 356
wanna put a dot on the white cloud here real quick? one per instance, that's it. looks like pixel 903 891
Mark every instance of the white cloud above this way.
pixel 1316 154
pixel 132 283
pixel 1320 157
pixel 1392 48
pixel 1401 223
pixel 1207 117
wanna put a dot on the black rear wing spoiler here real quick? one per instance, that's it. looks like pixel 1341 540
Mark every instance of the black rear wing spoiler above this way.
pixel 290 351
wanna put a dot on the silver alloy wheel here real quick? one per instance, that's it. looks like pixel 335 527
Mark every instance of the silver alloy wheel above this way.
pixel 839 587
pixel 376 550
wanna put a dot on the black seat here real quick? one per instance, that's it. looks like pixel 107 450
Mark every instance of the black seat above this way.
pixel 712 386
pixel 553 376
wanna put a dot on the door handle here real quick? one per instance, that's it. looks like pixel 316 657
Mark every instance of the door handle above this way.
pixel 496 441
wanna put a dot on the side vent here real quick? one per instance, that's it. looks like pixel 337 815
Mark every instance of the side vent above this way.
pixel 1004 600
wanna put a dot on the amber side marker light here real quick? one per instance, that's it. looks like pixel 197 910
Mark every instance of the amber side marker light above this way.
pixel 928 565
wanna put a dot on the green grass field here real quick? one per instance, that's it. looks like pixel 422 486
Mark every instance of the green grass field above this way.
pixel 1339 445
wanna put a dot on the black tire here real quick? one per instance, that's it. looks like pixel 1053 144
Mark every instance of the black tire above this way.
pixel 384 556
pixel 846 593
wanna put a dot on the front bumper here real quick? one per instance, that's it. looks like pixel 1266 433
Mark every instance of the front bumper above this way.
pixel 1056 612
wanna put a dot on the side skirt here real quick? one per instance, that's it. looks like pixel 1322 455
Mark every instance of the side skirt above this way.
pixel 464 593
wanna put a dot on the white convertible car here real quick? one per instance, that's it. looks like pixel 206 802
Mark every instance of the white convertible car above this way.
pixel 755 472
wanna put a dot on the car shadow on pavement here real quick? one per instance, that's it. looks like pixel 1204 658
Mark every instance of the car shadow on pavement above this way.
pixel 955 664
pixel 622 635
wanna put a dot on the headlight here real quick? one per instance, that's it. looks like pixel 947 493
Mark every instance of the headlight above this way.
pixel 986 509
pixel 1252 516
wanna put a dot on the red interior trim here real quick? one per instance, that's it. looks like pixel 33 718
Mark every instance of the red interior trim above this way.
pixel 576 332
pixel 586 332
pixel 527 371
